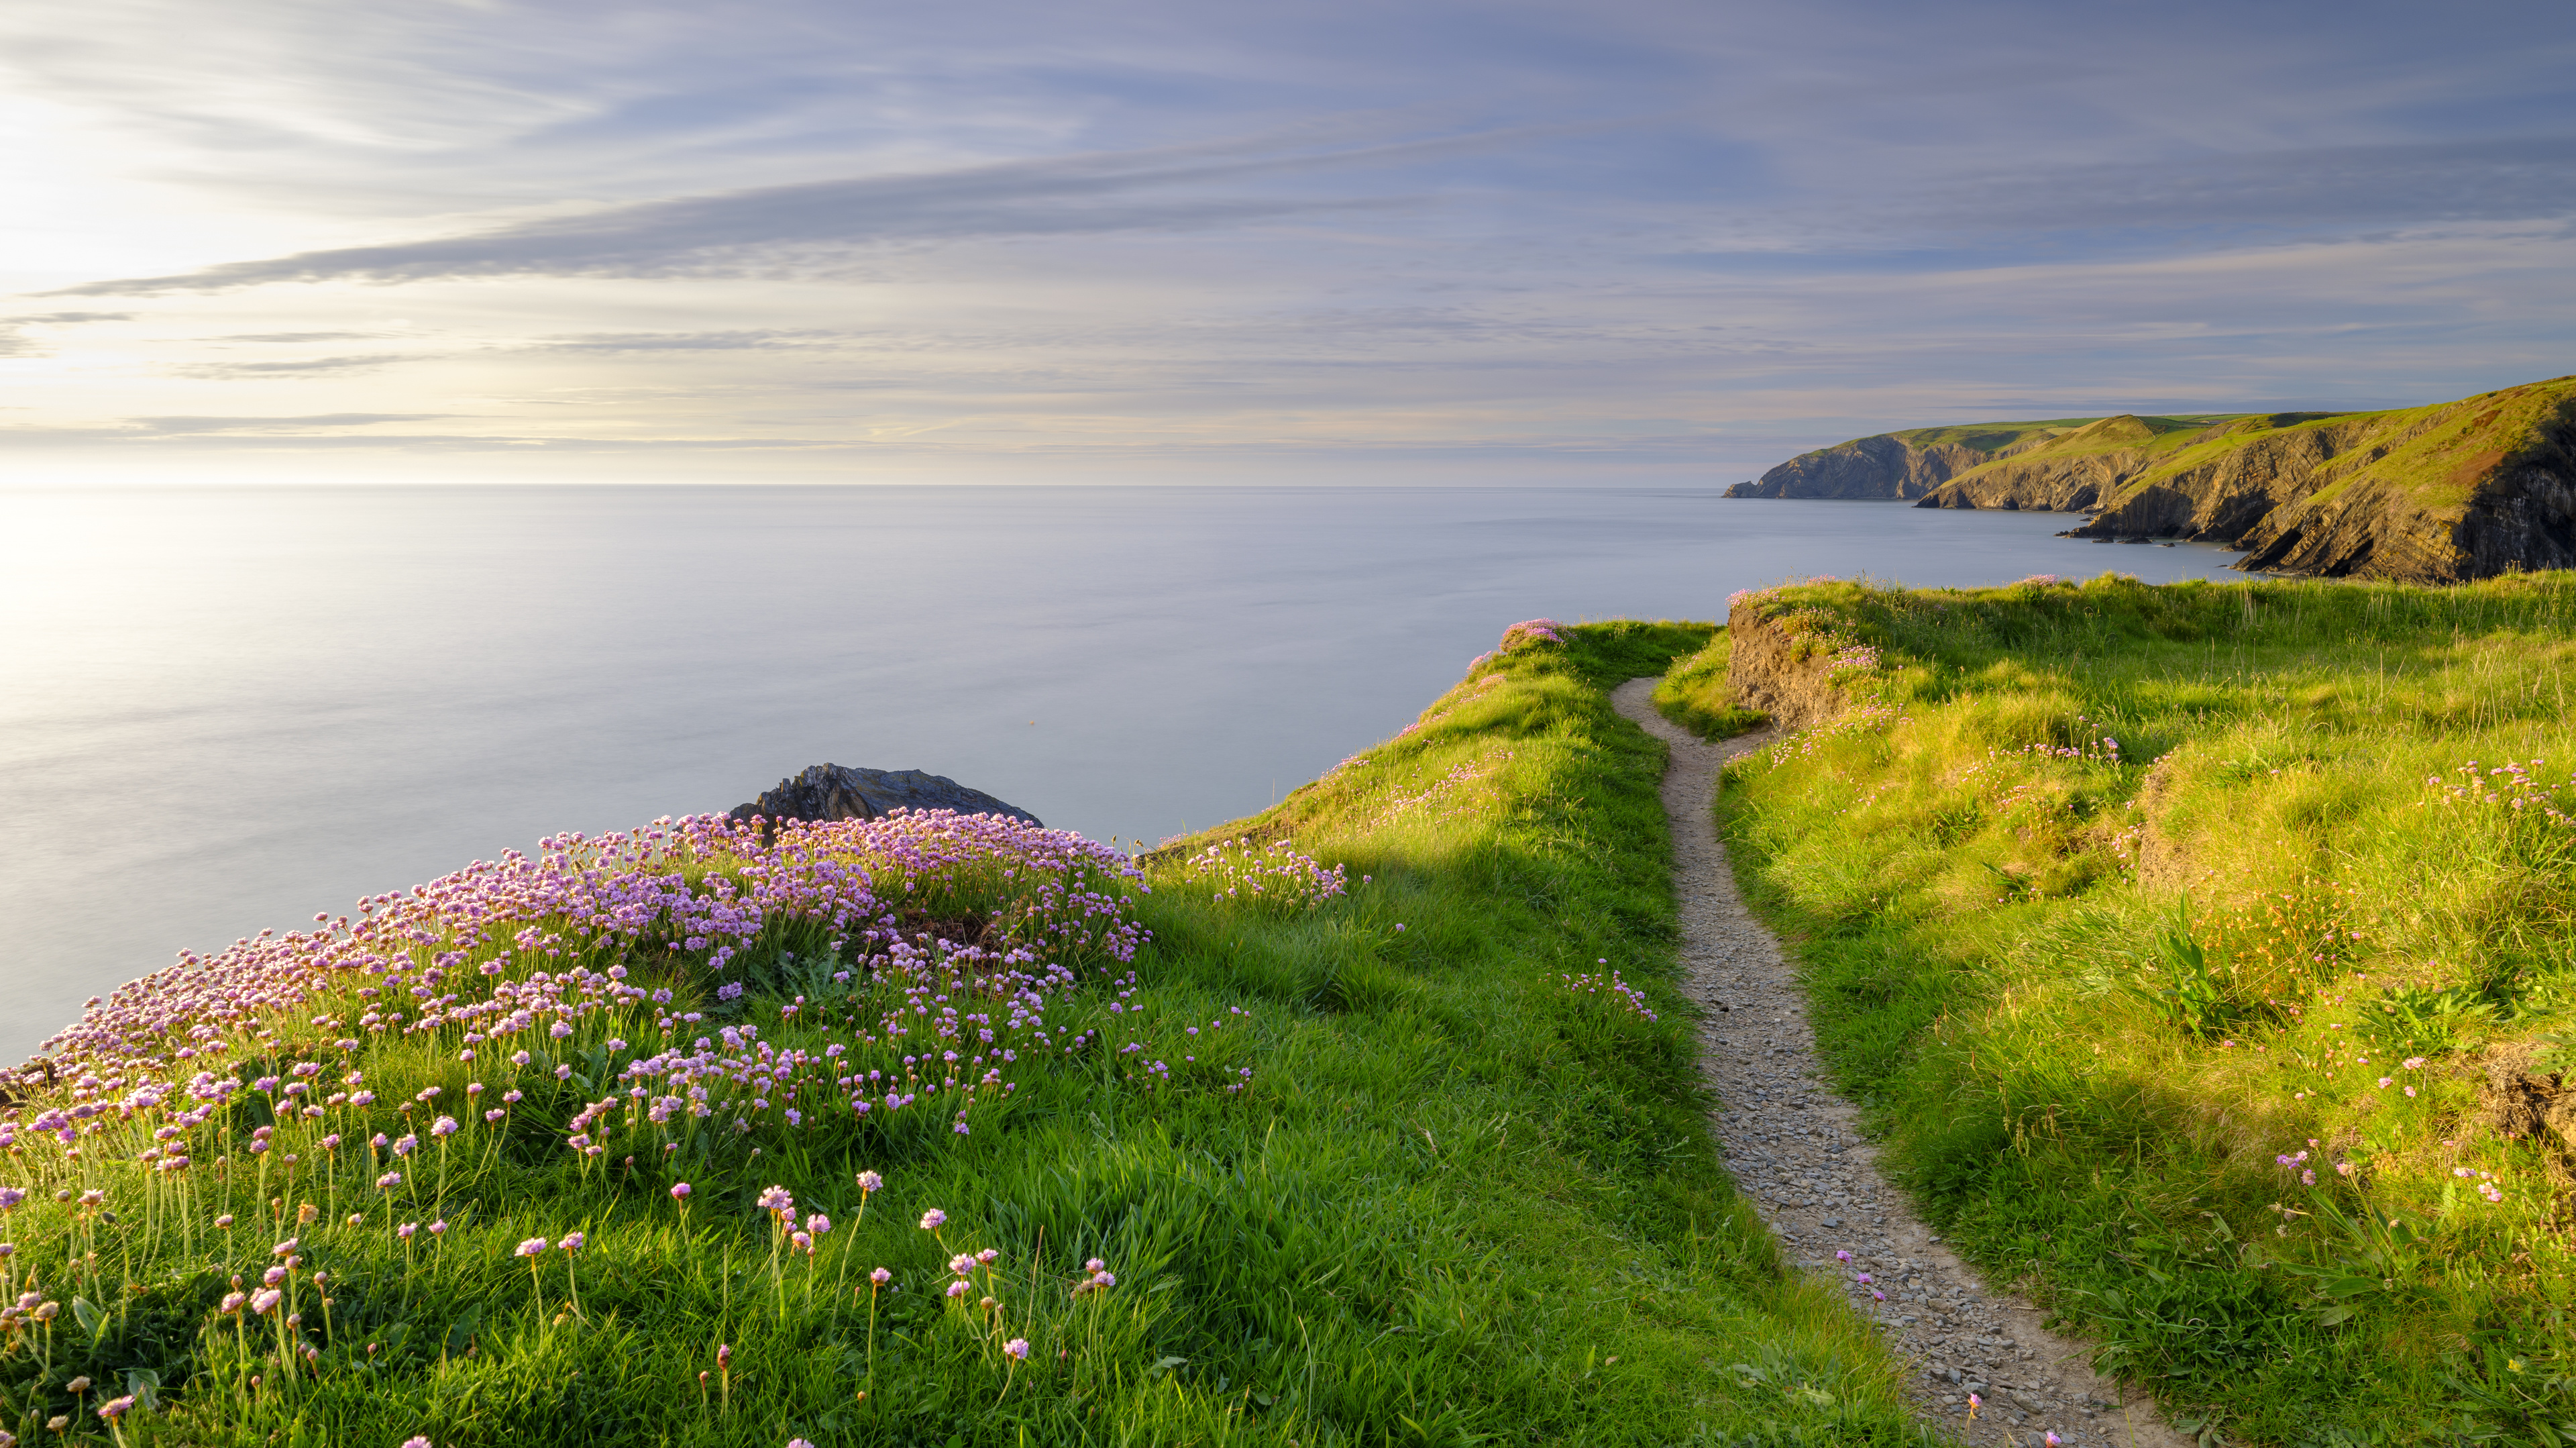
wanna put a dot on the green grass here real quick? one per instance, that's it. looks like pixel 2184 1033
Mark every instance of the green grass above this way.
pixel 2435 455
pixel 2091 995
pixel 1695 694
pixel 1457 1202
pixel 2162 440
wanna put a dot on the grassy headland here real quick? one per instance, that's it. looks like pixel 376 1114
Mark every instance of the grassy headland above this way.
pixel 1915 461
pixel 2457 490
pixel 2204 954
pixel 1261 1152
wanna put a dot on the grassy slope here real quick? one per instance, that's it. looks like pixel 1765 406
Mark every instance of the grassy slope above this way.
pixel 1985 899
pixel 1988 436
pixel 2434 454
pixel 1695 694
pixel 1982 436
pixel 2152 436
pixel 1459 1202
pixel 2054 435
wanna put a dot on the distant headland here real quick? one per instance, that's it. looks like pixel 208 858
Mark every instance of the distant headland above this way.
pixel 2458 490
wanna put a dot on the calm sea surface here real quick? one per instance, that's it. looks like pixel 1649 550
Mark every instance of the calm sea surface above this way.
pixel 224 709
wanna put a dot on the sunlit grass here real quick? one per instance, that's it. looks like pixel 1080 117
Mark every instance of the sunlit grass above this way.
pixel 2179 939
pixel 1371 1172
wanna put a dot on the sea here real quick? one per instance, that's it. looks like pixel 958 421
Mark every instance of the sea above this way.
pixel 224 709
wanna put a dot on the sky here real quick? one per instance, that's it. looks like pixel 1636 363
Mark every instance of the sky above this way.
pixel 1204 240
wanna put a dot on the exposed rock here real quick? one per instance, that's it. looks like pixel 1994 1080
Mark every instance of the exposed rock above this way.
pixel 2525 1104
pixel 1773 671
pixel 1885 466
pixel 834 792
pixel 2439 494
pixel 2061 474
pixel 1906 464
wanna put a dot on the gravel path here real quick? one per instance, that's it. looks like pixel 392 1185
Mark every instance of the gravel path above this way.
pixel 1791 1144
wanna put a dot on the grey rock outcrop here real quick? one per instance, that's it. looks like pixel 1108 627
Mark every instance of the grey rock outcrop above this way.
pixel 837 792
pixel 1884 466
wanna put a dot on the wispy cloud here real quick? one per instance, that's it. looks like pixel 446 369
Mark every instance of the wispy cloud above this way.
pixel 296 337
pixel 2489 180
pixel 203 426
pixel 735 232
pixel 747 340
pixel 299 367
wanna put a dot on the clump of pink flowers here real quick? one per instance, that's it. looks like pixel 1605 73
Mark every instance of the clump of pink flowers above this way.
pixel 537 953
pixel 695 892
pixel 1627 998
pixel 1274 875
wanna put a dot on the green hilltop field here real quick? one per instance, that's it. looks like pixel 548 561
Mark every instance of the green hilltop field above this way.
pixel 2204 954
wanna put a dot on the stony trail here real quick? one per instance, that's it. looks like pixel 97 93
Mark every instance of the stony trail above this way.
pixel 1791 1143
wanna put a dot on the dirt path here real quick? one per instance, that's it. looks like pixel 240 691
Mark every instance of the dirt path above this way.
pixel 1790 1142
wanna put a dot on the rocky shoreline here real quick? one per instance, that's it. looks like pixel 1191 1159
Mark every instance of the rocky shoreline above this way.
pixel 2441 494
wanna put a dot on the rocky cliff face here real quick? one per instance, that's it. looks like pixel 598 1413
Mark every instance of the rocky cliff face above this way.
pixel 2434 494
pixel 1770 672
pixel 1884 466
pixel 2437 494
pixel 2062 474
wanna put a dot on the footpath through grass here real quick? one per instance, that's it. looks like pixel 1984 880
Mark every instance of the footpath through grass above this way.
pixel 949 1132
pixel 2204 953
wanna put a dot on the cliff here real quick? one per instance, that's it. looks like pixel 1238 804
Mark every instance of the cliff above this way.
pixel 2075 469
pixel 1777 671
pixel 1907 464
pixel 2437 494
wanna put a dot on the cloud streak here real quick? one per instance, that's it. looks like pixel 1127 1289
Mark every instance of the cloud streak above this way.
pixel 732 232
pixel 204 426
pixel 300 367
pixel 2520 179
pixel 611 344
